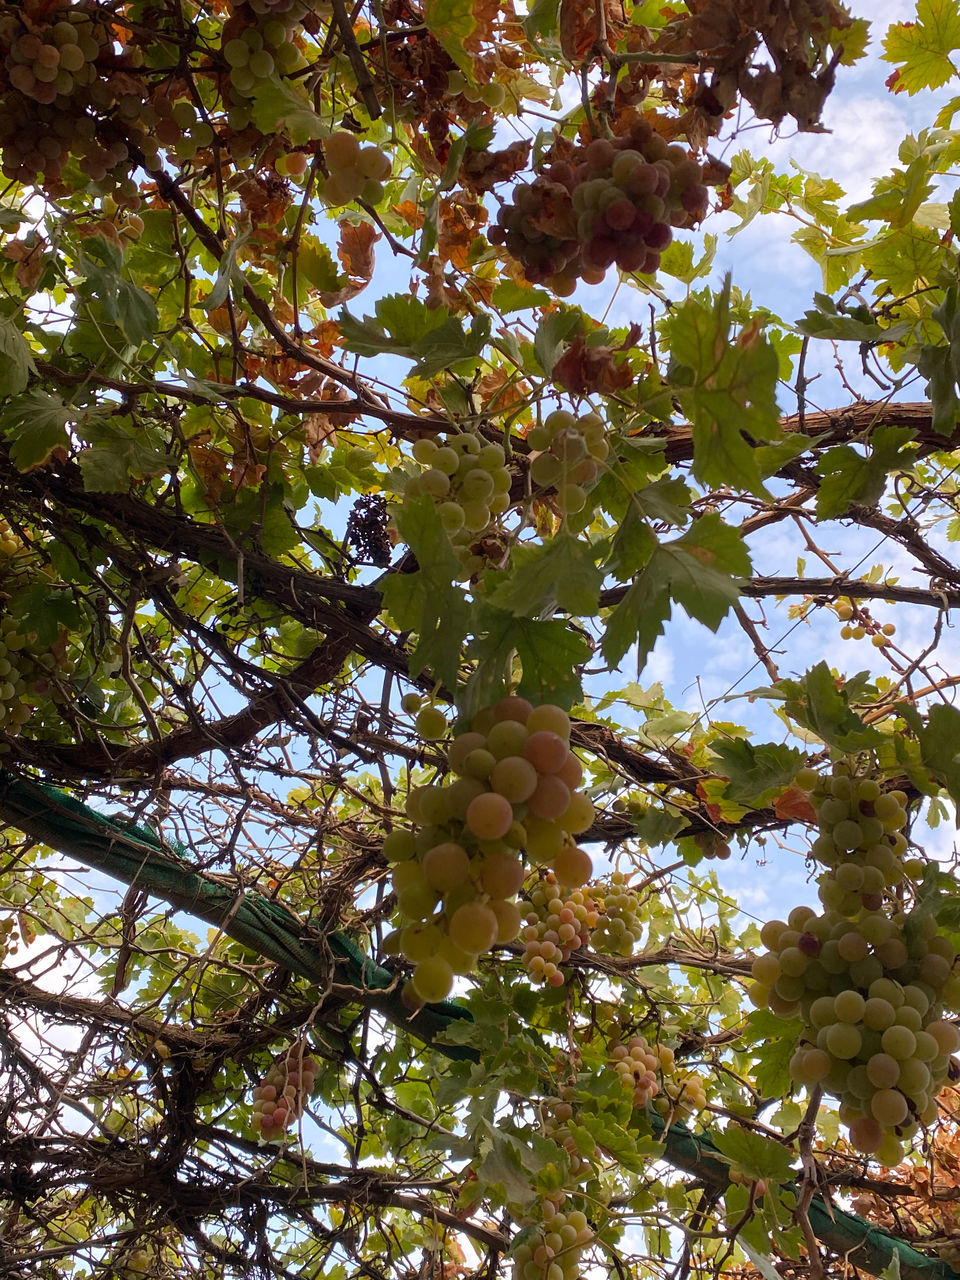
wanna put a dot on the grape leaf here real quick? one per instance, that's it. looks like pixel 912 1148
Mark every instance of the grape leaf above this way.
pixel 752 770
pixel 36 425
pixel 427 601
pixel 700 570
pixel 727 387
pixel 561 573
pixel 853 477
pixel 939 741
pixel 16 359
pixel 923 47
pixel 753 1154
pixel 277 105
pixel 550 652
pixel 817 703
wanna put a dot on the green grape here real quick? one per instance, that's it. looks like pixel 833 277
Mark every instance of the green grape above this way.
pixel 489 817
pixel 515 778
pixel 399 845
pixel 883 1071
pixel 899 1041
pixel 418 941
pixel 431 722
pixel 507 738
pixel 572 866
pixel 866 1134
pixel 849 1006
pixel 878 1014
pixel 342 150
pixel 473 927
pixel 889 1107
pixel 433 978
pixel 843 1040
pixel 446 866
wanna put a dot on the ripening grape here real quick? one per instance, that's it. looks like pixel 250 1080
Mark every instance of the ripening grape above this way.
pixel 281 1098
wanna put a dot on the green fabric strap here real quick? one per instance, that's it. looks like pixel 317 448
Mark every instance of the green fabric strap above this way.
pixel 138 857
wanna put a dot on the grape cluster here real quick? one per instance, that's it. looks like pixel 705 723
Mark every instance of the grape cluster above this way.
pixel 861 840
pixel 469 482
pixel 612 201
pixel 870 990
pixel 282 1097
pixel 859 622
pixel 555 1117
pixel 638 1064
pixel 560 921
pixel 354 172
pixel 567 457
pixel 618 928
pixel 553 1250
pixel 66 92
pixel 513 791
pixel 683 1094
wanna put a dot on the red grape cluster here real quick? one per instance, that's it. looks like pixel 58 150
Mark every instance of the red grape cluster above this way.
pixel 637 1064
pixel 553 1249
pixel 567 457
pixel 614 201
pixel 871 989
pixel 66 92
pixel 649 1072
pixel 560 921
pixel 282 1097
pixel 513 791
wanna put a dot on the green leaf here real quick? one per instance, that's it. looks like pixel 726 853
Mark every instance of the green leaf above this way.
pixel 403 326
pixel 278 106
pixel 16 359
pixel 852 477
pixel 939 740
pixel 36 425
pixel 752 770
pixel 44 610
pixel 228 272
pixel 941 365
pixel 453 22
pixel 552 332
pixel 136 313
pixel 428 602
pixel 701 570
pixel 727 387
pixel 822 707
pixel 923 47
pixel 754 1155
pixel 550 653
pixel 509 295
pixel 501 1169
pixel 561 573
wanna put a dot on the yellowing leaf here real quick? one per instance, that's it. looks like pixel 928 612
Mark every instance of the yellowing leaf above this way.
pixel 460 25
pixel 924 47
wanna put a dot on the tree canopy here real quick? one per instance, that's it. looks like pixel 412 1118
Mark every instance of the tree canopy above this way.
pixel 372 415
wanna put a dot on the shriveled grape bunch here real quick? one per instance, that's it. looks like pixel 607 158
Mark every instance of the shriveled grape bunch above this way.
pixel 282 1096
pixel 512 794
pixel 568 454
pixel 559 921
pixel 69 97
pixel 613 201
pixel 469 482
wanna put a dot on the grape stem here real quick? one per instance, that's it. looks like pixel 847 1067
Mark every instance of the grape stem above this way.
pixel 809 1183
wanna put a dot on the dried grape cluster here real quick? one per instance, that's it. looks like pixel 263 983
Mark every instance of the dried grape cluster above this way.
pixel 513 793
pixel 68 96
pixel 367 529
pixel 470 483
pixel 614 201
pixel 568 454
pixel 282 1097
pixel 560 921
